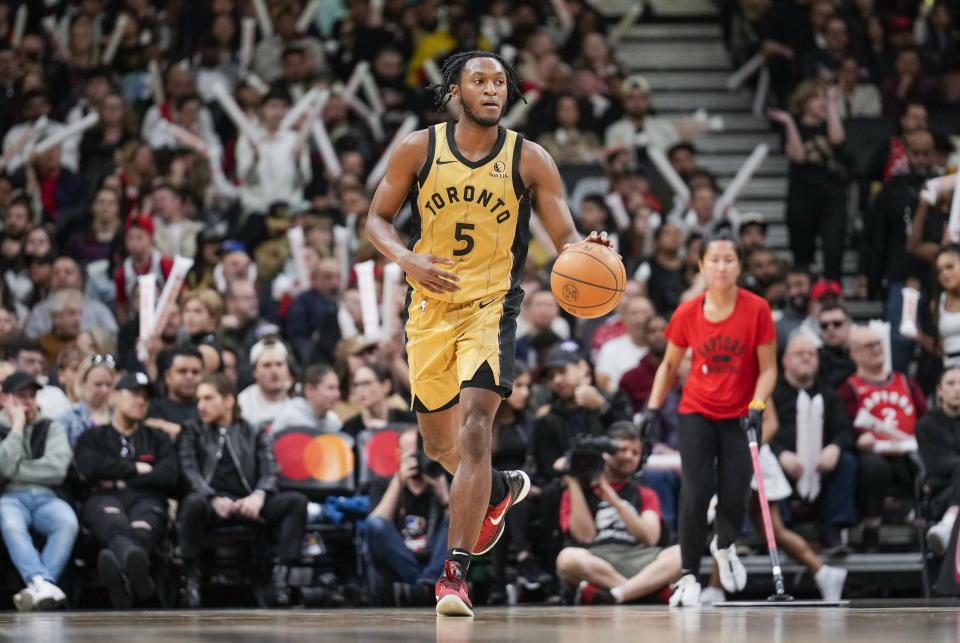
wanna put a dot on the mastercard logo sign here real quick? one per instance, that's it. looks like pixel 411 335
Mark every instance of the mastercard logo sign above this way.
pixel 327 458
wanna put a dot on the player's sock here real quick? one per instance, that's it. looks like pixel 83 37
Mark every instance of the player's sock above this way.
pixel 461 557
pixel 498 487
pixel 617 594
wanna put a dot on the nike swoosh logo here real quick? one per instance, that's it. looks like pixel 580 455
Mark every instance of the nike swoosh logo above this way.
pixel 496 521
pixel 488 303
pixel 439 162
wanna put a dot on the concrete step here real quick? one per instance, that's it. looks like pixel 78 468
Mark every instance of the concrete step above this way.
pixel 737 122
pixel 712 101
pixel 765 187
pixel 729 164
pixel 735 143
pixel 661 81
pixel 671 31
pixel 639 56
pixel 675 8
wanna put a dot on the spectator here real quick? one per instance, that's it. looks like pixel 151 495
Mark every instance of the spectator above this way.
pixel 663 273
pixel 938 438
pixel 143 258
pixel 269 395
pixel 613 525
pixel 763 275
pixel 823 62
pixel 311 323
pixel 371 389
pixel 570 143
pixel 34 456
pixel 181 375
pixel 406 531
pixel 795 315
pixel 277 167
pixel 201 311
pixel 65 308
pixel 835 363
pixel 856 99
pixel 908 85
pixel 54 189
pixel 27 355
pixel 579 408
pixel 814 145
pixel 883 253
pixel 98 241
pixel 129 469
pixel 66 275
pixel 683 158
pixel 66 367
pixel 948 306
pixel 638 128
pixel 93 382
pixel 752 232
pixel 242 326
pixel 826 476
pixel 637 381
pixel 174 234
pixel 321 391
pixel 938 39
pixel 242 487
pixel 623 353
pixel 884 406
pixel 891 159
pixel 702 217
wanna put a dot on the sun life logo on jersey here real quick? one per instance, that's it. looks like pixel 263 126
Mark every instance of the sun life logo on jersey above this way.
pixel 499 170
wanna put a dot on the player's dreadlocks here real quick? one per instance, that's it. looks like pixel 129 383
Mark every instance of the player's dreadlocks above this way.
pixel 452 68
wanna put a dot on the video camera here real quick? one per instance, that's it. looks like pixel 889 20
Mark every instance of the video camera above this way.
pixel 585 458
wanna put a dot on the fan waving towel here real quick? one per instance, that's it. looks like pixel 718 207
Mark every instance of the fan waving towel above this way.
pixel 809 443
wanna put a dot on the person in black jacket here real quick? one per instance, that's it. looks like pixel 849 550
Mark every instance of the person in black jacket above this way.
pixel 938 437
pixel 578 409
pixel 231 474
pixel 130 470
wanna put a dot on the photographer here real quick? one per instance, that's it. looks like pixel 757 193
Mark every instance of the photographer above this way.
pixel 406 533
pixel 616 525
pixel 578 409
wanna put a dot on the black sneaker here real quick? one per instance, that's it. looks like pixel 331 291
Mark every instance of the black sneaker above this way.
pixel 531 575
pixel 190 591
pixel 136 566
pixel 279 591
pixel 870 544
pixel 111 575
pixel 413 595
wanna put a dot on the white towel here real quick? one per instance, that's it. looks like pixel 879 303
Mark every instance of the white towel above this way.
pixel 809 443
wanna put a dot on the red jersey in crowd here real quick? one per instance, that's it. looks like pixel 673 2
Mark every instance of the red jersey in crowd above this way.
pixel 724 370
pixel 896 403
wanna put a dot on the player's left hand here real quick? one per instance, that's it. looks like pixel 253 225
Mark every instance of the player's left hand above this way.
pixel 753 420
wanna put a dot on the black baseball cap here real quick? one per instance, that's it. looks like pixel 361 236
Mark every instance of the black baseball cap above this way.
pixel 133 382
pixel 559 358
pixel 18 381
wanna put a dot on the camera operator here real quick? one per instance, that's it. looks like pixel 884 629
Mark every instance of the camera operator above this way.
pixel 578 409
pixel 406 533
pixel 615 525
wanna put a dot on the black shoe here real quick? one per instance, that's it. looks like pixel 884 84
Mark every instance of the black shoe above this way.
pixel 531 575
pixel 136 565
pixel 279 592
pixel 870 544
pixel 111 575
pixel 190 590
pixel 415 595
pixel 833 544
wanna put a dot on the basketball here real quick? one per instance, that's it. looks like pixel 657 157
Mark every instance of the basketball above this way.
pixel 588 280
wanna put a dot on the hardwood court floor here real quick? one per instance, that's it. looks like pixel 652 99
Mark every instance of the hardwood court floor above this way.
pixel 875 623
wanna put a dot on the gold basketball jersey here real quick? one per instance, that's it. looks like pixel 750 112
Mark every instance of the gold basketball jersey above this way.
pixel 475 213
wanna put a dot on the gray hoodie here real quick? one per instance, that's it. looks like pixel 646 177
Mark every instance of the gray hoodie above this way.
pixel 298 413
pixel 27 462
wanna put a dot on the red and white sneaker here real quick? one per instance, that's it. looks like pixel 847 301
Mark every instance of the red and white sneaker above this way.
pixel 451 590
pixel 518 486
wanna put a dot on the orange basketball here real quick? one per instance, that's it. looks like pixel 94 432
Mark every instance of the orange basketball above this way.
pixel 588 280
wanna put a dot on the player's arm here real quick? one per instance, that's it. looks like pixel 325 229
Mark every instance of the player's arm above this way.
pixel 405 161
pixel 767 366
pixel 540 174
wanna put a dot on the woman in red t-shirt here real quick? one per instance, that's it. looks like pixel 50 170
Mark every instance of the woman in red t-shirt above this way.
pixel 732 338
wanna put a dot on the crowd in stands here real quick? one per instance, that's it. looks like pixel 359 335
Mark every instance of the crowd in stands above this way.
pixel 134 446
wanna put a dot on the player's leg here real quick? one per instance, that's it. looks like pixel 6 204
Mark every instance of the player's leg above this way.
pixel 440 431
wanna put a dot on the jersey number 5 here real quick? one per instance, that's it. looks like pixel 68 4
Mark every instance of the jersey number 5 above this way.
pixel 461 235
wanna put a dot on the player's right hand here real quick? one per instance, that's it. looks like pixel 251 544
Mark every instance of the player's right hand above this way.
pixel 421 268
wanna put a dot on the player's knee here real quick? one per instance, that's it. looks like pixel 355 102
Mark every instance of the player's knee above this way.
pixel 475 435
pixel 439 451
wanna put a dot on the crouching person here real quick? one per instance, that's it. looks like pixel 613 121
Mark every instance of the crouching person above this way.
pixel 34 456
pixel 231 473
pixel 616 524
pixel 130 470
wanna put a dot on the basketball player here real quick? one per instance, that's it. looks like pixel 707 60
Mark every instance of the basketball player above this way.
pixel 734 370
pixel 473 184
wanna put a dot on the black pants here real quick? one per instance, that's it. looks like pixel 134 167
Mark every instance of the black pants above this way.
pixel 823 214
pixel 285 513
pixel 944 497
pixel 881 476
pixel 711 450
pixel 109 517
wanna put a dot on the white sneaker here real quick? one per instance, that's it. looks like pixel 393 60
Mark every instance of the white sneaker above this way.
pixel 830 582
pixel 46 595
pixel 23 600
pixel 938 536
pixel 686 592
pixel 733 575
pixel 710 595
